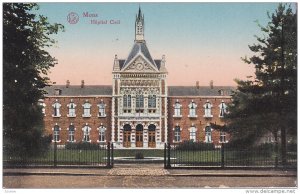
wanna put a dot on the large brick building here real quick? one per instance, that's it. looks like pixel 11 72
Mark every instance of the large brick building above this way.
pixel 139 110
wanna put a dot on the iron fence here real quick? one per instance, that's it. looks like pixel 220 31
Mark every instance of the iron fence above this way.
pixel 93 155
pixel 207 155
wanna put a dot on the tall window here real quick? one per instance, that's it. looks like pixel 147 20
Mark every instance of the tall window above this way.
pixel 71 107
pixel 152 101
pixel 56 109
pixel 101 133
pixel 177 134
pixel 101 112
pixel 127 101
pixel 177 109
pixel 71 137
pixel 43 105
pixel 56 133
pixel 208 134
pixel 223 109
pixel 193 134
pixel 207 109
pixel 86 133
pixel 192 107
pixel 86 109
pixel 222 137
pixel 139 101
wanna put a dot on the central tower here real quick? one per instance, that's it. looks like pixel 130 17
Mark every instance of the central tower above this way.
pixel 139 104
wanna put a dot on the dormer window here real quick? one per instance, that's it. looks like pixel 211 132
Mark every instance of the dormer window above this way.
pixel 86 133
pixel 71 107
pixel 86 109
pixel 177 109
pixel 223 109
pixel 207 109
pixel 57 92
pixel 56 109
pixel 101 112
pixel 192 111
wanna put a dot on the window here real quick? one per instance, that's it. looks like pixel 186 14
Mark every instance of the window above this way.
pixel 101 112
pixel 222 137
pixel 71 107
pixel 193 134
pixel 177 133
pixel 56 130
pixel 223 109
pixel 56 109
pixel 177 109
pixel 151 101
pixel 192 107
pixel 101 133
pixel 86 133
pixel 71 130
pixel 207 109
pixel 208 134
pixel 43 106
pixel 127 101
pixel 139 101
pixel 86 109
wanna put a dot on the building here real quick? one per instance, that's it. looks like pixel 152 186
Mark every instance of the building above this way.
pixel 139 110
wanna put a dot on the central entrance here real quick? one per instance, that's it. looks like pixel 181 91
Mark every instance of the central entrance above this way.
pixel 127 136
pixel 139 135
pixel 151 136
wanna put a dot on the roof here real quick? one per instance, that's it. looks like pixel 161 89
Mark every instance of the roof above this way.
pixel 200 91
pixel 139 48
pixel 93 90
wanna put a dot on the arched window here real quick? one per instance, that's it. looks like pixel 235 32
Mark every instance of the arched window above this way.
pixel 56 130
pixel 208 134
pixel 151 127
pixel 86 133
pixel 71 137
pixel 193 134
pixel 56 109
pixel 177 134
pixel 177 109
pixel 139 127
pixel 86 109
pixel 127 127
pixel 102 130
pixel 192 107
pixel 223 109
pixel 207 109
pixel 71 107
pixel 101 112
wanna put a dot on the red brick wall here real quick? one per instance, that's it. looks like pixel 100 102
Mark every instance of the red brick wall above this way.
pixel 199 122
pixel 79 122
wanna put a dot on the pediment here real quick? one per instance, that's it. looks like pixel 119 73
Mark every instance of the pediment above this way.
pixel 139 64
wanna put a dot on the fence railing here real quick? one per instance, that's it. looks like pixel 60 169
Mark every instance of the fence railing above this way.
pixel 67 156
pixel 194 154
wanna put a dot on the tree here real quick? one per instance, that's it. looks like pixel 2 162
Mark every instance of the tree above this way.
pixel 268 102
pixel 25 66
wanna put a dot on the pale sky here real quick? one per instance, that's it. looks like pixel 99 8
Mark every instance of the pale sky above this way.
pixel 201 41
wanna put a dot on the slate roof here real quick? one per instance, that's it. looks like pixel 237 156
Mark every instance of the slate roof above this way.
pixel 139 47
pixel 92 90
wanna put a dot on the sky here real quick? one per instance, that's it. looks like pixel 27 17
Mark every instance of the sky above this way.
pixel 201 41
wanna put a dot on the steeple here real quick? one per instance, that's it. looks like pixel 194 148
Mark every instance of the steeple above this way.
pixel 139 27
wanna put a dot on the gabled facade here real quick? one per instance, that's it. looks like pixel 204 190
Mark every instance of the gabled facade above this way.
pixel 139 110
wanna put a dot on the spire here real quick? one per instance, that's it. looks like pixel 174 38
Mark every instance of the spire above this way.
pixel 139 27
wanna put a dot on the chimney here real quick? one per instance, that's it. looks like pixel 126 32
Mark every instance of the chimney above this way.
pixel 67 83
pixel 197 85
pixel 82 83
pixel 211 84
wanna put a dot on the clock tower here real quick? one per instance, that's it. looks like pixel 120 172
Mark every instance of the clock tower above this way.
pixel 139 100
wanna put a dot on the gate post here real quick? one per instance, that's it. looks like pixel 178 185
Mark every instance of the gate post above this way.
pixel 222 155
pixel 112 154
pixel 108 155
pixel 55 154
pixel 169 156
pixel 165 155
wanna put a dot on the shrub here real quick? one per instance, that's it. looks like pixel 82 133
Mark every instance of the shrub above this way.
pixel 190 145
pixel 82 146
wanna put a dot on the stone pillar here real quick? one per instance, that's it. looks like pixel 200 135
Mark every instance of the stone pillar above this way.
pixel 145 138
pixel 132 138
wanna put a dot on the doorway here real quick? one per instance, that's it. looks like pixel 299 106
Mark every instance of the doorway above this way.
pixel 127 136
pixel 139 136
pixel 151 136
